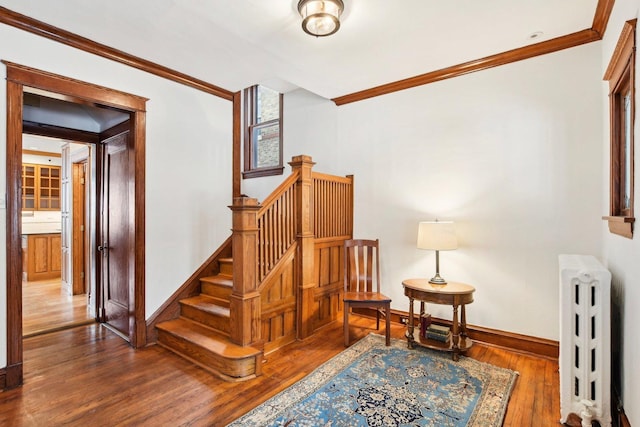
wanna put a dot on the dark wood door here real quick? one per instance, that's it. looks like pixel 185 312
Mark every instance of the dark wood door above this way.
pixel 114 243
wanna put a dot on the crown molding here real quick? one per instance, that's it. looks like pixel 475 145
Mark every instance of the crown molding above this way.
pixel 600 20
pixel 42 29
pixel 601 17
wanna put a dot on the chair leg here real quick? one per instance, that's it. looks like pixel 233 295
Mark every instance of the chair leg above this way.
pixel 377 319
pixel 387 330
pixel 345 324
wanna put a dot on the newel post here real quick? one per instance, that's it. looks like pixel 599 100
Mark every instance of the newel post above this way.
pixel 245 298
pixel 306 247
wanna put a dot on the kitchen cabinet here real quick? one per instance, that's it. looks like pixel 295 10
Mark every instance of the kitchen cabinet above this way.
pixel 40 187
pixel 42 257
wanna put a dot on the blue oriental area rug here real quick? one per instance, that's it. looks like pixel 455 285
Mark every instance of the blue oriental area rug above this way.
pixel 369 384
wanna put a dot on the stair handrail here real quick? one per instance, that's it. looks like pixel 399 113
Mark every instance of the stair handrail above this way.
pixel 277 225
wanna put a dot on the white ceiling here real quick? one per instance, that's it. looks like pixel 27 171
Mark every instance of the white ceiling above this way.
pixel 237 43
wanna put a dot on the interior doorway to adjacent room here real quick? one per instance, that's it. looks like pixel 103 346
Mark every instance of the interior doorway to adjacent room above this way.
pixel 55 260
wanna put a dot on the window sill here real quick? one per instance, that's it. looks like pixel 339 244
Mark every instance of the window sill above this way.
pixel 621 225
pixel 263 172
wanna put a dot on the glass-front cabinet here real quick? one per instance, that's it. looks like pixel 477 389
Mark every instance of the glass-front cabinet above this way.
pixel 40 187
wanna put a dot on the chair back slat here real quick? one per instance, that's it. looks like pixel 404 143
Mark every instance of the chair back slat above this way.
pixel 363 261
pixel 352 277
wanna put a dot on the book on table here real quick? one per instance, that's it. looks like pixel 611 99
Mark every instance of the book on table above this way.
pixel 438 329
pixel 425 322
pixel 438 337
pixel 437 332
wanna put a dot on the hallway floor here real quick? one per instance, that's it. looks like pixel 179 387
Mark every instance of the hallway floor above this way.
pixel 46 308
pixel 90 376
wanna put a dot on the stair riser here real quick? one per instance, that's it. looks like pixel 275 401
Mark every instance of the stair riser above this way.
pixel 226 268
pixel 236 368
pixel 221 302
pixel 220 323
pixel 216 291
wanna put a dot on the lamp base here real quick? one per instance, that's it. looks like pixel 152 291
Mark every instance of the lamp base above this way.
pixel 437 280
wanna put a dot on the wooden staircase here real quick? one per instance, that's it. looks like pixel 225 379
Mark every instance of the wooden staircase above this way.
pixel 201 333
pixel 285 284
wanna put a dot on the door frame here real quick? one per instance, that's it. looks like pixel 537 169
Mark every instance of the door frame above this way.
pixel 19 77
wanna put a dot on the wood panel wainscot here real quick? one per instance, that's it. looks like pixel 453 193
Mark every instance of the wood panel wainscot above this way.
pixel 278 304
pixel 329 266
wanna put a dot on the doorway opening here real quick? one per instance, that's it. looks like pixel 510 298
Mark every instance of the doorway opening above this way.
pixel 57 287
pixel 130 158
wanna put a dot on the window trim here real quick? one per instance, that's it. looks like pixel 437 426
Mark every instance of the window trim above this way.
pixel 621 77
pixel 251 125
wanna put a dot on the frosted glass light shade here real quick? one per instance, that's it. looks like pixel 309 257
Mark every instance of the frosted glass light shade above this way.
pixel 320 17
pixel 437 235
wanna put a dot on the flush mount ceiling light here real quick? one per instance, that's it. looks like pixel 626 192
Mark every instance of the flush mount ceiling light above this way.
pixel 320 17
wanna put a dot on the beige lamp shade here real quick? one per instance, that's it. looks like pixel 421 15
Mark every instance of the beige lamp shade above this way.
pixel 437 235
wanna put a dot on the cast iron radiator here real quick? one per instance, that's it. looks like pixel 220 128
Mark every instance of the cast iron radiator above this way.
pixel 585 339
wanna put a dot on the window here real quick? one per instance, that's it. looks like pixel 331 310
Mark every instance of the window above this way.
pixel 262 132
pixel 621 76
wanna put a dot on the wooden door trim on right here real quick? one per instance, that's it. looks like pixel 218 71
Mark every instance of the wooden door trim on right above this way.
pixel 18 77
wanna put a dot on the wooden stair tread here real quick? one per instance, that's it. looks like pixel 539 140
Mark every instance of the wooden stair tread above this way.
pixel 206 304
pixel 219 280
pixel 207 338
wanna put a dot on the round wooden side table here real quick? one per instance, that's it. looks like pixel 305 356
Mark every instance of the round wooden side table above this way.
pixel 455 294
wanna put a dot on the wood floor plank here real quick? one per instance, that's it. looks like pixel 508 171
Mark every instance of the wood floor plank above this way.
pixel 47 308
pixel 551 386
pixel 89 376
pixel 518 397
pixel 539 398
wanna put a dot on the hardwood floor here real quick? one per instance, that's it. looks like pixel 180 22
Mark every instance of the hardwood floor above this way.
pixel 90 376
pixel 47 308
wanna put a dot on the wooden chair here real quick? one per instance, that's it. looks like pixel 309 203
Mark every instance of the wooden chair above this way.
pixel 362 283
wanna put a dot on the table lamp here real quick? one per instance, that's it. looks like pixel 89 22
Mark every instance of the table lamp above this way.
pixel 439 236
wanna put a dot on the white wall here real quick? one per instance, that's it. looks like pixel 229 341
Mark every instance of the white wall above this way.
pixel 621 254
pixel 188 162
pixel 512 154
